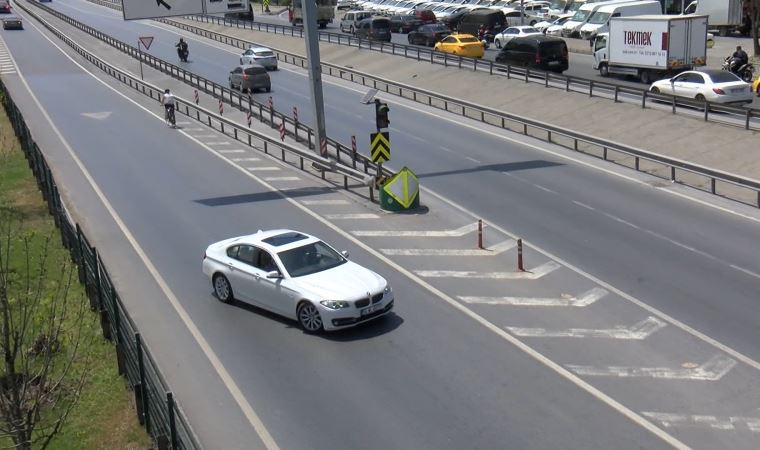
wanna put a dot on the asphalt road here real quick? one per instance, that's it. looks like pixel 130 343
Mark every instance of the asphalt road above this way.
pixel 693 262
pixel 422 378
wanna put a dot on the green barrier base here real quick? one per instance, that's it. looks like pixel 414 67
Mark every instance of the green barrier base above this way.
pixel 388 203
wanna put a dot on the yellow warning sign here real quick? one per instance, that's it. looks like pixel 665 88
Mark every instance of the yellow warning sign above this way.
pixel 403 187
pixel 380 147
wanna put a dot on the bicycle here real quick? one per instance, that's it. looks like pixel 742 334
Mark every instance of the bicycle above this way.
pixel 169 116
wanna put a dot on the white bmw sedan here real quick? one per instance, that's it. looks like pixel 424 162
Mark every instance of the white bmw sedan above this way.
pixel 297 276
pixel 713 85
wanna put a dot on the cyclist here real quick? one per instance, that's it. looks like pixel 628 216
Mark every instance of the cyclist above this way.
pixel 168 101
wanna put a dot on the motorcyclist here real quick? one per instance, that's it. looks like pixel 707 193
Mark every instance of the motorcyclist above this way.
pixel 168 101
pixel 738 59
pixel 181 48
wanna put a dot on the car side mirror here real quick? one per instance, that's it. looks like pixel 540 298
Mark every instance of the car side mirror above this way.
pixel 274 274
pixel 344 253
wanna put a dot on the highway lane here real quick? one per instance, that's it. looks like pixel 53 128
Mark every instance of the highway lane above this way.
pixel 424 378
pixel 688 275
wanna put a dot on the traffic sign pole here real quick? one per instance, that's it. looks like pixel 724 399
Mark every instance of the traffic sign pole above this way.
pixel 140 58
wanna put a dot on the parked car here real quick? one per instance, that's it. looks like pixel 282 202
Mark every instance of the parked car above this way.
pixel 351 18
pixel 12 23
pixel 344 4
pixel 259 55
pixel 536 51
pixel 494 21
pixel 756 86
pixel 297 276
pixel 544 25
pixel 404 24
pixel 513 32
pixel 250 77
pixel 375 29
pixel 555 29
pixel 5 6
pixel 426 15
pixel 452 20
pixel 718 86
pixel 428 34
pixel 461 44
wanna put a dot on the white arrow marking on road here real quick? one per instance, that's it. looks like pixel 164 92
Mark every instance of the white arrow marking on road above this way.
pixel 533 274
pixel 584 299
pixel 669 420
pixel 97 115
pixel 461 231
pixel 712 370
pixel 495 250
pixel 638 331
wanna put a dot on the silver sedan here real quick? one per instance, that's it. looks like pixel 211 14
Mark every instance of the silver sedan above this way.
pixel 259 55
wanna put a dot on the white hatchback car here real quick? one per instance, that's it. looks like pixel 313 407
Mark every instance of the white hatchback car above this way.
pixel 259 55
pixel 718 86
pixel 297 276
pixel 512 32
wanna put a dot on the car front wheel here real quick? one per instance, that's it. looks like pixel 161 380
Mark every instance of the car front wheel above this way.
pixel 309 318
pixel 222 289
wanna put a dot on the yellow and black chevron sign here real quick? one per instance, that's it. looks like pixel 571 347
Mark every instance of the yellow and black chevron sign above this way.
pixel 380 147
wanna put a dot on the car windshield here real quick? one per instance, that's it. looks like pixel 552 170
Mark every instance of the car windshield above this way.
pixel 530 30
pixel 599 18
pixel 310 258
pixel 438 27
pixel 558 4
pixel 724 77
pixel 468 39
pixel 575 6
pixel 264 54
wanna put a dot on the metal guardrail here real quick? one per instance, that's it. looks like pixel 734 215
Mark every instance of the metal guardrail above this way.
pixel 344 155
pixel 548 79
pixel 157 410
pixel 504 120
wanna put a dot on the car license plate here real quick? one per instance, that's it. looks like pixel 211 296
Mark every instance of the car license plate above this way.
pixel 553 63
pixel 737 90
pixel 370 310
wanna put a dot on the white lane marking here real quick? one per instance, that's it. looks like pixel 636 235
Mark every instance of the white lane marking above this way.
pixel 193 129
pixel 184 123
pixel 264 169
pixel 219 143
pixel 243 159
pixel 445 149
pixel 670 420
pixel 250 414
pixel 472 159
pixel 282 179
pixel 97 115
pixel 202 136
pixel 583 300
pixel 583 205
pixel 351 216
pixel 232 151
pixel 538 356
pixel 7 64
pixel 637 331
pixel 461 231
pixel 325 202
pixel 533 274
pixel 491 251
pixel 748 272
pixel 712 370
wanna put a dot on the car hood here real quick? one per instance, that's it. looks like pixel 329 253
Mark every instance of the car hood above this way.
pixel 348 281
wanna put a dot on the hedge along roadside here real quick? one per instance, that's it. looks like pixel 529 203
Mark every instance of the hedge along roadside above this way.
pixel 343 154
pixel 157 409
pixel 212 120
pixel 603 148
pixel 501 119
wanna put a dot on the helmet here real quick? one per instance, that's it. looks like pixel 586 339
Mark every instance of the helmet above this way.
pixel 166 91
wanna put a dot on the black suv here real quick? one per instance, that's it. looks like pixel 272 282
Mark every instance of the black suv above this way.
pixel 539 52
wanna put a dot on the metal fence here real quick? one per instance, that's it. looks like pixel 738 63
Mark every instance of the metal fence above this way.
pixel 157 410
pixel 263 112
pixel 746 117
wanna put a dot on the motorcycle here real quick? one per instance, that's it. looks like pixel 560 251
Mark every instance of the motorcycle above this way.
pixel 183 53
pixel 744 72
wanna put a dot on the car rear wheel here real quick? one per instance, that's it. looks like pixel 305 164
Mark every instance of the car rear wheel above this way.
pixel 222 289
pixel 309 318
pixel 498 43
pixel 700 98
pixel 655 90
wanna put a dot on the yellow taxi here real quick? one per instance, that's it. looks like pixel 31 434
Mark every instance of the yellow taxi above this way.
pixel 461 45
pixel 756 85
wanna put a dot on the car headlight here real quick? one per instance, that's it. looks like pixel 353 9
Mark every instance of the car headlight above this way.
pixel 387 289
pixel 334 304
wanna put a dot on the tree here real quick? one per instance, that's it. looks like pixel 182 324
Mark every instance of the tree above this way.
pixel 43 336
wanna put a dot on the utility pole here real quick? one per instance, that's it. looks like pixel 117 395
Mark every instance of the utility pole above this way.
pixel 522 12
pixel 309 8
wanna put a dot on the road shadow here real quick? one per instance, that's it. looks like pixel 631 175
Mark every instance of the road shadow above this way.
pixel 503 167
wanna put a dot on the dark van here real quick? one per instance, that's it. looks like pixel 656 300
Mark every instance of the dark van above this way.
pixel 493 20
pixel 536 52
pixel 375 29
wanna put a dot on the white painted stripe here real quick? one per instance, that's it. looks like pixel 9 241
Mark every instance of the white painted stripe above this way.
pixel 583 205
pixel 712 370
pixel 245 159
pixel 351 216
pixel 638 331
pixel 201 136
pixel 748 272
pixel 184 123
pixel 263 169
pixel 325 202
pixel 281 179
pixel 670 420
pixel 193 129
pixel 533 274
pixel 445 149
pixel 461 231
pixel 232 151
pixel 473 160
pixel 495 250
pixel 218 143
pixel 583 300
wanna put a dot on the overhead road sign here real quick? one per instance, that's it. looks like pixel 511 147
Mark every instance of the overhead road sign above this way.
pixel 148 9
pixel 380 147
pixel 225 6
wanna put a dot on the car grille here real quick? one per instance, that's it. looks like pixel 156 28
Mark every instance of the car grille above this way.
pixel 377 298
pixel 363 302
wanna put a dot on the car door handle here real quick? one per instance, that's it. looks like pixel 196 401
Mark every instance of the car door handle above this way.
pixel 256 275
pixel 232 267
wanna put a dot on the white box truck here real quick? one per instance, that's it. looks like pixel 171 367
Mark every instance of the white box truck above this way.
pixel 724 15
pixel 651 47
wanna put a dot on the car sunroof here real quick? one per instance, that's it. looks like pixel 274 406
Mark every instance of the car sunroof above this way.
pixel 284 238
